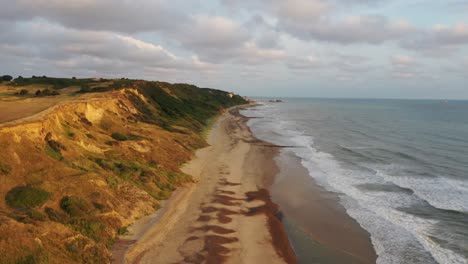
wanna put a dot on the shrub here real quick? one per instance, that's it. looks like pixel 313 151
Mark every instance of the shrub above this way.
pixel 89 227
pixel 35 215
pixel 112 181
pixel 85 88
pixel 47 92
pixel 55 215
pixel 23 92
pixel 57 155
pixel 53 148
pixel 122 231
pixel 76 206
pixel 6 78
pixel 26 197
pixel 119 136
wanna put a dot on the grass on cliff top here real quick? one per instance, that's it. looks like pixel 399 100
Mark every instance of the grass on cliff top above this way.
pixel 56 83
pixel 26 197
pixel 184 105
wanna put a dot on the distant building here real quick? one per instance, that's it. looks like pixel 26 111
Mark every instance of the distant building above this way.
pixel 230 95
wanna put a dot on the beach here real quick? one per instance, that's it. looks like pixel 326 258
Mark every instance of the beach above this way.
pixel 227 215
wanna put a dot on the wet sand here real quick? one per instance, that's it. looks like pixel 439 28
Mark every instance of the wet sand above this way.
pixel 319 228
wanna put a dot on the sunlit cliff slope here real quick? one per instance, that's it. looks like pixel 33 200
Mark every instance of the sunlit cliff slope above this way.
pixel 73 177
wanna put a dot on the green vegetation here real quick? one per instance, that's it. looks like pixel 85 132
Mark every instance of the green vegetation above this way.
pixel 119 136
pixel 124 137
pixel 76 206
pixel 35 215
pixel 6 78
pixel 112 181
pixel 46 92
pixel 122 231
pixel 181 104
pixel 38 256
pixel 89 227
pixel 55 216
pixel 57 155
pixel 22 92
pixel 55 83
pixel 53 148
pixel 181 109
pixel 26 197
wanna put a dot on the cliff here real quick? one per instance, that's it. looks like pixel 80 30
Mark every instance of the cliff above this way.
pixel 73 177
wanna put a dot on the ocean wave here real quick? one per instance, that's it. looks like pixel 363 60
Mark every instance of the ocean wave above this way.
pixel 398 236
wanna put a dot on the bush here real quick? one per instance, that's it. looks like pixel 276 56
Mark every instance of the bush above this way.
pixel 57 155
pixel 48 92
pixel 122 231
pixel 89 227
pixel 119 136
pixel 112 181
pixel 23 92
pixel 35 215
pixel 55 215
pixel 76 206
pixel 6 78
pixel 26 197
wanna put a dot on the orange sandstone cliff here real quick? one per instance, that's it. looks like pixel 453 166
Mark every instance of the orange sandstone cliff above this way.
pixel 75 176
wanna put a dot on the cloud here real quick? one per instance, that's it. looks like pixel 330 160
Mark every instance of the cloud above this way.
pixel 107 15
pixel 406 67
pixel 441 40
pixel 208 32
pixel 370 29
pixel 315 20
pixel 304 64
pixel 211 38
pixel 221 40
pixel 108 52
pixel 332 64
pixel 263 32
pixel 402 60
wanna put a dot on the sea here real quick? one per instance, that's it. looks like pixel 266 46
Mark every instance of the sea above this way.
pixel 399 167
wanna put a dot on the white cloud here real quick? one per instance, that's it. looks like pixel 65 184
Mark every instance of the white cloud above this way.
pixel 441 40
pixel 108 15
pixel 402 60
pixel 84 49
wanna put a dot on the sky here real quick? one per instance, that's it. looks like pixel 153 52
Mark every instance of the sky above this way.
pixel 279 48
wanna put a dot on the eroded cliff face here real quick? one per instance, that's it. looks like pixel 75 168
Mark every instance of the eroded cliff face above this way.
pixel 77 176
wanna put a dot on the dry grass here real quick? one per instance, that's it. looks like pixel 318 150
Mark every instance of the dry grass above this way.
pixel 112 185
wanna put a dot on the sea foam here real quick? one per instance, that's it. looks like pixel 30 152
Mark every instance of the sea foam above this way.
pixel 398 237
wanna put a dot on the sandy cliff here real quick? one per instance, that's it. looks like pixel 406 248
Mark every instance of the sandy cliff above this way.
pixel 75 175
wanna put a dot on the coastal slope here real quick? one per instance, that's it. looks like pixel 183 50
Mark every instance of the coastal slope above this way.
pixel 74 176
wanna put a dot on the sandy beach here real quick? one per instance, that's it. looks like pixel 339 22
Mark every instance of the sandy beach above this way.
pixel 226 216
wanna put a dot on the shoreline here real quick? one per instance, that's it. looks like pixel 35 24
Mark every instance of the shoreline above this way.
pixel 318 225
pixel 213 219
pixel 240 190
